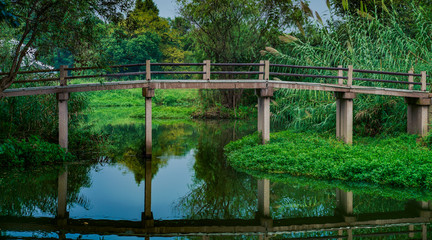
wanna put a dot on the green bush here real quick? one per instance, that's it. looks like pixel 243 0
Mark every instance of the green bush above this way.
pixel 397 161
pixel 32 151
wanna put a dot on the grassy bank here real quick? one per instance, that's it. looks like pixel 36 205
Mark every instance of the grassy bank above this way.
pixel 396 161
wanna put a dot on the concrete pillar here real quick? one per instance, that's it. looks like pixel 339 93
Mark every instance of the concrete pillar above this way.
pixel 418 115
pixel 62 99
pixel 62 214
pixel 147 215
pixel 148 94
pixel 344 116
pixel 264 113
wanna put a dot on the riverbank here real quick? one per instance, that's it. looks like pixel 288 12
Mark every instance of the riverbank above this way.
pixel 399 161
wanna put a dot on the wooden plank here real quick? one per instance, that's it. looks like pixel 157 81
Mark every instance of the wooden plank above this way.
pixel 211 84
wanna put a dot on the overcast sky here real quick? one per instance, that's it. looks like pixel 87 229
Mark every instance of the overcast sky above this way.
pixel 168 8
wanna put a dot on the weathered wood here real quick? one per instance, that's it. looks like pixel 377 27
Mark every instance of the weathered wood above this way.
pixel 212 84
pixel 410 79
pixel 207 70
pixel 423 81
pixel 148 70
pixel 63 119
pixel 340 74
pixel 266 70
pixel 350 76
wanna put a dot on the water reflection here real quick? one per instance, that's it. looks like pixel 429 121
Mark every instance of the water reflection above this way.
pixel 216 203
pixel 342 224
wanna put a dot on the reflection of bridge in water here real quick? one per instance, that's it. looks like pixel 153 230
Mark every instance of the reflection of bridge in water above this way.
pixel 413 220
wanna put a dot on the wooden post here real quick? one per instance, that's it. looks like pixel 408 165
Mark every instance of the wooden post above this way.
pixel 410 79
pixel 411 230
pixel 148 94
pixel 423 81
pixel 424 232
pixel 62 214
pixel 350 75
pixel 266 70
pixel 207 70
pixel 340 74
pixel 260 102
pixel 340 234
pixel 148 70
pixel 62 99
pixel 344 116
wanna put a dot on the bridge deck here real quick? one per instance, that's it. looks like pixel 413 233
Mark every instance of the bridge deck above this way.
pixel 212 84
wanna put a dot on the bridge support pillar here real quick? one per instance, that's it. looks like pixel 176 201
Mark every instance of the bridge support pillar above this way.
pixel 148 94
pixel 264 96
pixel 417 115
pixel 344 116
pixel 62 99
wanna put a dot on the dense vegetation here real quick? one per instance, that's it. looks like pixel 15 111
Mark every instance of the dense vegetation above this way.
pixel 370 35
pixel 397 161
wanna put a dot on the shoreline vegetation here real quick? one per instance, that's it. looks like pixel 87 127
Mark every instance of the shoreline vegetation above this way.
pixel 397 161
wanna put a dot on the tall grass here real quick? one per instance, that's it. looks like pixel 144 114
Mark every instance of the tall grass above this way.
pixel 368 42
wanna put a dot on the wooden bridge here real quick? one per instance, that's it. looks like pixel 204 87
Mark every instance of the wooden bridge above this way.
pixel 415 92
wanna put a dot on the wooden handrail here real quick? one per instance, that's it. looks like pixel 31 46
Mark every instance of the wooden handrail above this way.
pixel 208 71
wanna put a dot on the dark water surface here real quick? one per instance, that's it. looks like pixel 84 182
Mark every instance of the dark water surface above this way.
pixel 194 194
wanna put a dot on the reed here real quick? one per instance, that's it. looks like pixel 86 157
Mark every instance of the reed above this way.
pixel 366 41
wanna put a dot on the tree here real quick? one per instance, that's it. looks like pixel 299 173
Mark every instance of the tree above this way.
pixel 72 25
pixel 236 30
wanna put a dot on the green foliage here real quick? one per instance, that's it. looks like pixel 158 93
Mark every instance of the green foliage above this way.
pixel 376 43
pixel 120 48
pixel 398 161
pixel 32 151
pixel 6 16
pixel 51 25
pixel 235 31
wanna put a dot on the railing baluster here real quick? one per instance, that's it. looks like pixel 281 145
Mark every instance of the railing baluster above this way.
pixel 410 79
pixel 423 81
pixel 340 74
pixel 148 70
pixel 350 75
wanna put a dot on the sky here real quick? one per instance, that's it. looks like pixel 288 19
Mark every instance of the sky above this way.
pixel 168 8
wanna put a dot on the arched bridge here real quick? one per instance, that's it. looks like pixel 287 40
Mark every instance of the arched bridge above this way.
pixel 413 87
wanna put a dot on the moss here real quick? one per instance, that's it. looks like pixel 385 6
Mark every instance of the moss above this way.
pixel 396 161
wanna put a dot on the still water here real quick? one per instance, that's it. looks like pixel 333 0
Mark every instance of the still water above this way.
pixel 188 191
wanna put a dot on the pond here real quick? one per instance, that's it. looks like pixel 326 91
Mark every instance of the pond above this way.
pixel 188 191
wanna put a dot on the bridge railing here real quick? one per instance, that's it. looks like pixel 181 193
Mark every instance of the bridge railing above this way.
pixel 225 71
